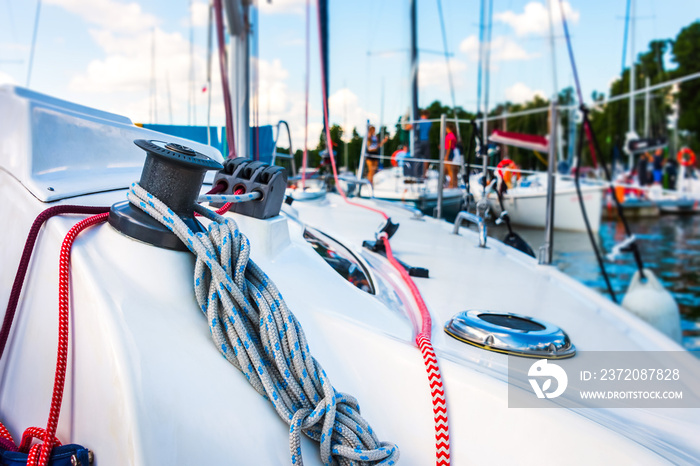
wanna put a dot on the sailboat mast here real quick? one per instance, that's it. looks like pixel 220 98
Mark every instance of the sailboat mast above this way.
pixel 381 122
pixel 414 74
pixel 210 45
pixel 153 101
pixel 191 119
pixel 323 17
pixel 647 102
pixel 486 49
pixel 632 133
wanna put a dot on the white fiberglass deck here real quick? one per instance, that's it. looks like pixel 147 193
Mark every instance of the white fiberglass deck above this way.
pixel 147 386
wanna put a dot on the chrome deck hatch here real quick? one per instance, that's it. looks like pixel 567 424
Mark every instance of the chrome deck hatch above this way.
pixel 509 333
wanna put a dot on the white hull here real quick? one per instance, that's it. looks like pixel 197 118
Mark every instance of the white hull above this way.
pixel 530 209
pixel 527 205
pixel 391 185
pixel 147 386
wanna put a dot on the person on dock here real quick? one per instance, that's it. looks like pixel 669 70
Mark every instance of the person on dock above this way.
pixel 671 174
pixel 658 166
pixel 643 169
pixel 404 130
pixel 452 156
pixel 423 128
pixel 373 146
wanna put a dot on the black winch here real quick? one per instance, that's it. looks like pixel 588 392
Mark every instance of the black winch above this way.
pixel 174 174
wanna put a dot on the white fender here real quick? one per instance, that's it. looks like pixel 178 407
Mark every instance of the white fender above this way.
pixel 650 301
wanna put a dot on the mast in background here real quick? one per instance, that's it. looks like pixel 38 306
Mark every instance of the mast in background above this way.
pixel 31 51
pixel 239 72
pixel 485 61
pixel 191 118
pixel 153 114
pixel 414 75
pixel 210 44
pixel 647 102
pixel 632 134
pixel 323 17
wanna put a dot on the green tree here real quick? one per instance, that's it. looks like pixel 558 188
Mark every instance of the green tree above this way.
pixel 686 53
pixel 354 150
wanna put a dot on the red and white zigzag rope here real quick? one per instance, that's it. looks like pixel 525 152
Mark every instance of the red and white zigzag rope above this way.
pixel 442 431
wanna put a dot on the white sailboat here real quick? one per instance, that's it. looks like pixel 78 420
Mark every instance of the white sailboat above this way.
pixel 146 385
pixel 391 184
pixel 406 183
pixel 526 203
pixel 526 200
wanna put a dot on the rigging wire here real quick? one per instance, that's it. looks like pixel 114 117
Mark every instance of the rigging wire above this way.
pixel 304 160
pixel 592 140
pixel 191 107
pixel 552 47
pixel 219 15
pixel 210 30
pixel 481 61
pixel 584 214
pixel 255 24
pixel 624 38
pixel 31 52
pixel 154 93
pixel 449 70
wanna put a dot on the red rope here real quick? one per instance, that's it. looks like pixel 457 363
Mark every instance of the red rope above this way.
pixel 442 432
pixel 218 9
pixel 62 356
pixel 306 106
pixel 589 136
pixel 5 434
pixel 30 434
pixel 442 435
pixel 34 454
pixel 329 143
pixel 27 255
pixel 226 207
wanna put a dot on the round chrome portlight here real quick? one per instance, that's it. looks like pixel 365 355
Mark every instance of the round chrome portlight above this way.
pixel 509 333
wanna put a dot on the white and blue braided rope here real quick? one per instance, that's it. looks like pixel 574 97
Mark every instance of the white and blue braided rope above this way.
pixel 232 198
pixel 255 331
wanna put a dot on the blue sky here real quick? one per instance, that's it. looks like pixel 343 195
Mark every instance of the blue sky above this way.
pixel 98 53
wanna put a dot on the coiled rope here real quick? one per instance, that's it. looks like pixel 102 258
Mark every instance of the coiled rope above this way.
pixel 256 332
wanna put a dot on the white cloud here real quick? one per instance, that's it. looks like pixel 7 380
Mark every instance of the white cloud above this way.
pixel 110 14
pixel 200 14
pixel 120 80
pixel 346 111
pixel 502 49
pixel 535 19
pixel 127 65
pixel 273 94
pixel 284 7
pixel 14 47
pixel 519 93
pixel 6 79
pixel 434 73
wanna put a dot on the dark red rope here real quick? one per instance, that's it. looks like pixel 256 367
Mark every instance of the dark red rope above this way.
pixel 219 15
pixel 27 255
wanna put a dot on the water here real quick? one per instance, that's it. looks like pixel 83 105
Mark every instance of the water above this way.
pixel 670 247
